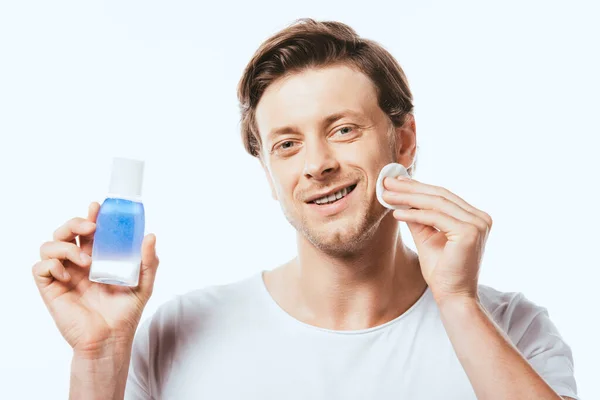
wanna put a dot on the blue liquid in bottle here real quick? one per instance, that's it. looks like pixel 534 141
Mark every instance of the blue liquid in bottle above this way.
pixel 117 245
pixel 117 248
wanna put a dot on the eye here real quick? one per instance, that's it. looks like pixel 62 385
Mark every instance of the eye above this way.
pixel 345 130
pixel 284 147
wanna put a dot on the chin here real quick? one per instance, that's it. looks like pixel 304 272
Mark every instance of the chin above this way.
pixel 340 235
pixel 340 238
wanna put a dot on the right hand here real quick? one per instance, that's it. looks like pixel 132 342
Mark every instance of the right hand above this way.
pixel 90 315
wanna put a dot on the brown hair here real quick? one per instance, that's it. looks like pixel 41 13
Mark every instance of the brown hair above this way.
pixel 307 43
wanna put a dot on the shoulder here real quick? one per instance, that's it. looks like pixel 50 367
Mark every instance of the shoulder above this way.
pixel 512 311
pixel 529 327
pixel 206 306
pixel 177 326
pixel 525 322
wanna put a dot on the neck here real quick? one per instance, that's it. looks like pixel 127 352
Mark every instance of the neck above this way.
pixel 371 286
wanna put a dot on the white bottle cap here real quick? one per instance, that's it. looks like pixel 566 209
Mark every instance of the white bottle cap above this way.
pixel 126 178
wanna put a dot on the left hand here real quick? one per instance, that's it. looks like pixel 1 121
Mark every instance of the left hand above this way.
pixel 449 234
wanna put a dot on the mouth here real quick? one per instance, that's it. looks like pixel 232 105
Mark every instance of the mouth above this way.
pixel 333 197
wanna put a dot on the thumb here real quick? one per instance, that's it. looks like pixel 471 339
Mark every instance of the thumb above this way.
pixel 148 266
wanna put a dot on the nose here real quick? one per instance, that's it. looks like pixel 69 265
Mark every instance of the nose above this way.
pixel 320 161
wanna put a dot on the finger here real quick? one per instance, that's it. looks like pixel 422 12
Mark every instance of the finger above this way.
pixel 149 264
pixel 47 270
pixel 452 227
pixel 402 184
pixel 86 242
pixel 64 251
pixel 73 227
pixel 437 203
pixel 421 232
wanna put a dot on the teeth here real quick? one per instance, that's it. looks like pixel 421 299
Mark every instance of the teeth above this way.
pixel 332 197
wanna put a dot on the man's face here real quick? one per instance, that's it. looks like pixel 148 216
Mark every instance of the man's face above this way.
pixel 323 133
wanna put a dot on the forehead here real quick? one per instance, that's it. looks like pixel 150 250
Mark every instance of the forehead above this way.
pixel 307 97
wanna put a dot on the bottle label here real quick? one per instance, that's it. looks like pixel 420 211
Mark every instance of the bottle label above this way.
pixel 119 230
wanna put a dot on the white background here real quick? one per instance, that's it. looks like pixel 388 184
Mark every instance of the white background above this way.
pixel 506 102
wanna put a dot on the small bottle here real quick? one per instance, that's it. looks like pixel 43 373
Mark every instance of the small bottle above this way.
pixel 117 248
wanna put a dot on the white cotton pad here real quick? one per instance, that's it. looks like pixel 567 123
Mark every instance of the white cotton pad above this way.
pixel 392 170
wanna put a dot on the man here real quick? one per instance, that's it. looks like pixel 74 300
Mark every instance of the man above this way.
pixel 356 314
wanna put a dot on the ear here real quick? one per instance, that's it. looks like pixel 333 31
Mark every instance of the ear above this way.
pixel 268 175
pixel 406 141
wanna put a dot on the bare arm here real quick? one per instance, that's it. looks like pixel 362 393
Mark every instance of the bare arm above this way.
pixel 100 374
pixel 98 321
pixel 495 367
pixel 450 236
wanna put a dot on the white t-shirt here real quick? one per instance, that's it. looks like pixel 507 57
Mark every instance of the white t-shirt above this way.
pixel 235 342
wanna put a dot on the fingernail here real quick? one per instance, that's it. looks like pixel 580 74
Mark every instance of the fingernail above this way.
pixel 85 258
pixel 66 275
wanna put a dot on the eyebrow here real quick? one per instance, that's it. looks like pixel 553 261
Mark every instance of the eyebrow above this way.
pixel 326 121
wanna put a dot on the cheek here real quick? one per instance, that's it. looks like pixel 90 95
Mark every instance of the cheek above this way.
pixel 369 156
pixel 364 154
pixel 353 153
pixel 285 180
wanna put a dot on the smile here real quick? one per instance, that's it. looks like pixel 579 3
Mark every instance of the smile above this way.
pixel 332 198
